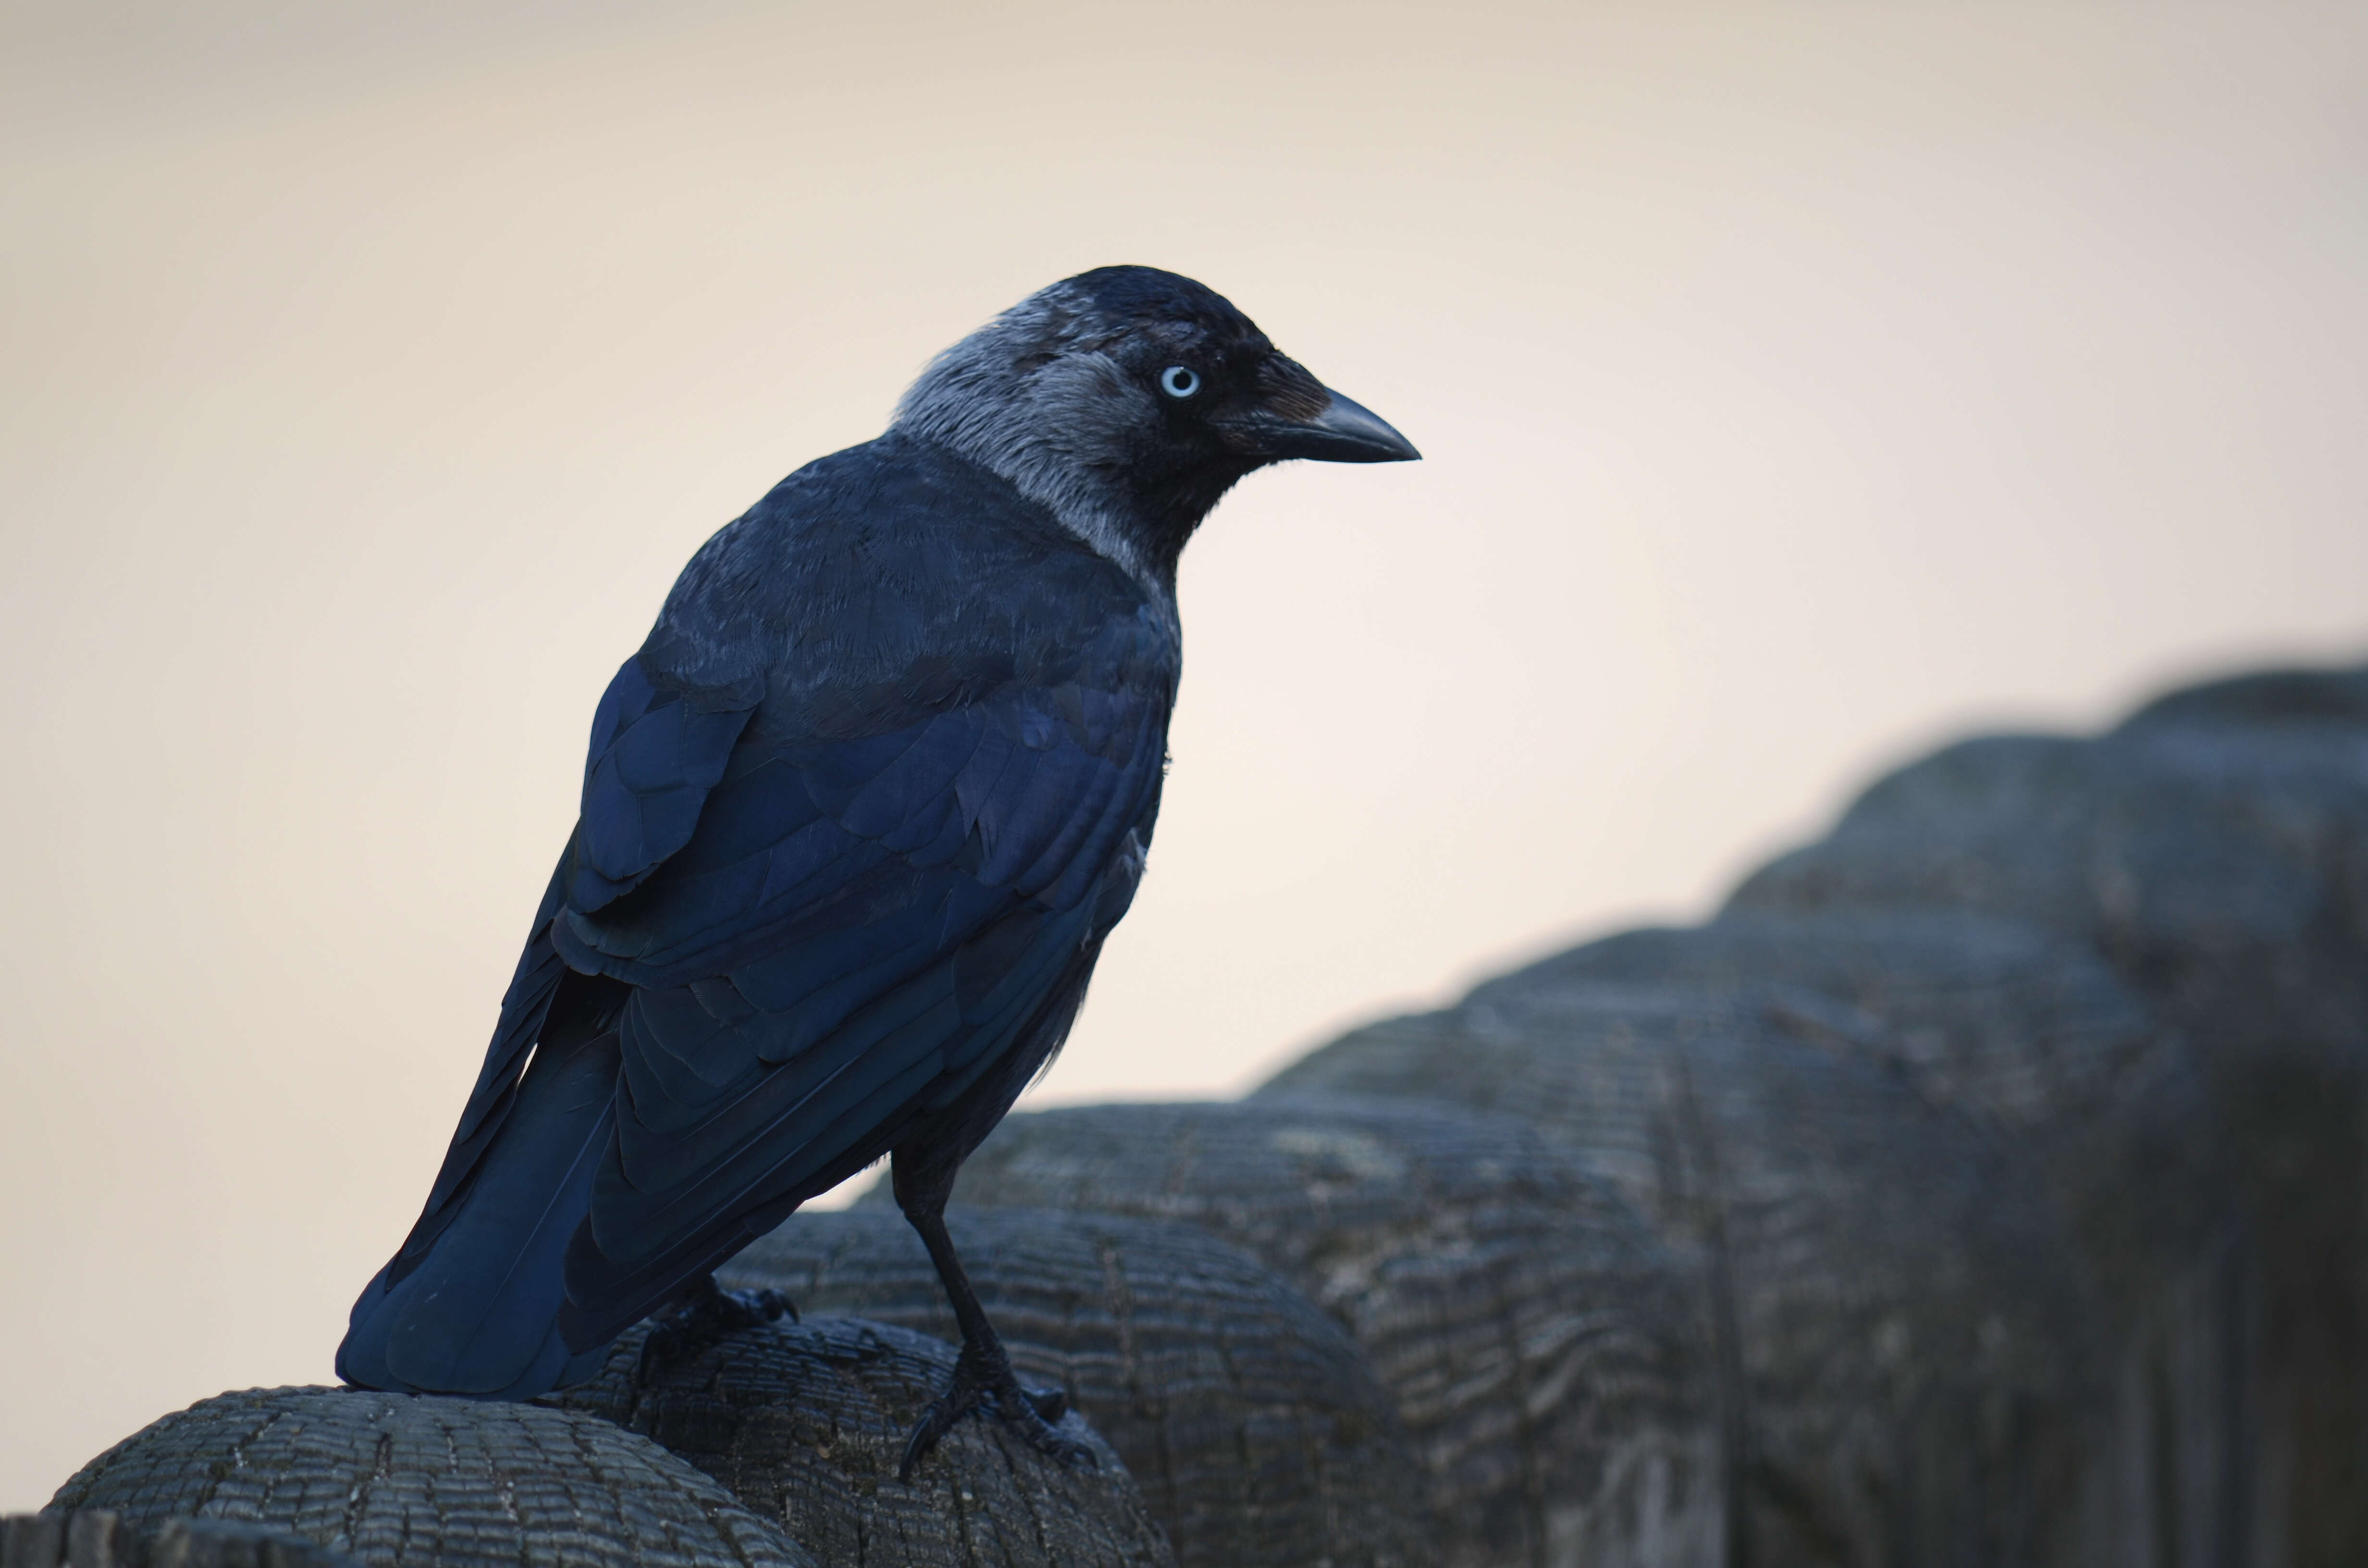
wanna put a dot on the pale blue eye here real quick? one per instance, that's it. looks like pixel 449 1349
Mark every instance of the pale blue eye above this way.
pixel 1179 381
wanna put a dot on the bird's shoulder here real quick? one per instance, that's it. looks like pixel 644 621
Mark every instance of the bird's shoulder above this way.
pixel 898 577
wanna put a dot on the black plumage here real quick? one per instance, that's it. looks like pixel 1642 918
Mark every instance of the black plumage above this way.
pixel 856 820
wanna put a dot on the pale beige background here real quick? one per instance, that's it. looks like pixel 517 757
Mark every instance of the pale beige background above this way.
pixel 1800 384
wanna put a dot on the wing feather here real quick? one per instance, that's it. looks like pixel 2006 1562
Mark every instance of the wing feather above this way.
pixel 853 934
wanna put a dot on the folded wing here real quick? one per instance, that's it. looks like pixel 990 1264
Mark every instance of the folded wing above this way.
pixel 855 930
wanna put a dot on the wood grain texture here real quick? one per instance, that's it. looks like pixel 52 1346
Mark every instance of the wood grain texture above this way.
pixel 2036 1037
pixel 805 1424
pixel 1543 1350
pixel 1256 1431
pixel 96 1538
pixel 2215 851
pixel 410 1482
pixel 1902 1325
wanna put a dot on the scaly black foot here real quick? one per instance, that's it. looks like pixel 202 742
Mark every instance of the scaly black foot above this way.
pixel 986 1381
pixel 701 1316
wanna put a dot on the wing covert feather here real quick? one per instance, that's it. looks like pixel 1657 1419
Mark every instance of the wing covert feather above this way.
pixel 852 932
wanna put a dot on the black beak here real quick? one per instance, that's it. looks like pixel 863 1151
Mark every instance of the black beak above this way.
pixel 1346 432
pixel 1343 431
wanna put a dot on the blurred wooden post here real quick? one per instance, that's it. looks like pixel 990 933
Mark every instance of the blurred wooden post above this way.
pixel 1549 1357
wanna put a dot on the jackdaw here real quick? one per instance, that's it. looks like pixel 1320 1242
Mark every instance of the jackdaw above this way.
pixel 856 820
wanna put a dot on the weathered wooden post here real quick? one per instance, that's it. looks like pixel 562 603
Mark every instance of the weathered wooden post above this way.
pixel 2214 850
pixel 1905 1334
pixel 1546 1354
pixel 1257 1432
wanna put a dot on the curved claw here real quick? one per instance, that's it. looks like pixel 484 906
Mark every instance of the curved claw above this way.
pixel 706 1314
pixel 1030 1413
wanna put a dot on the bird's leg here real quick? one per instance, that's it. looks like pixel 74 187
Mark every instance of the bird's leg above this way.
pixel 982 1375
pixel 701 1315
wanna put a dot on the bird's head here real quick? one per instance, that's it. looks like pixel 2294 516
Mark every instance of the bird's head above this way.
pixel 1128 400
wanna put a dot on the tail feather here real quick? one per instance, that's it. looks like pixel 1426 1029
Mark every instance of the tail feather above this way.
pixel 478 1315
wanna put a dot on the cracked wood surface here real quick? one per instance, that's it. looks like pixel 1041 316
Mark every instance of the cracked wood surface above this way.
pixel 2214 849
pixel 1902 1325
pixel 1544 1351
pixel 402 1481
pixel 2038 1039
pixel 96 1538
pixel 1256 1431
pixel 805 1424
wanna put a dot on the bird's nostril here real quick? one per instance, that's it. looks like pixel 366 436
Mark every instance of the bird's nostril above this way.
pixel 1286 386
